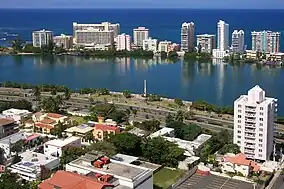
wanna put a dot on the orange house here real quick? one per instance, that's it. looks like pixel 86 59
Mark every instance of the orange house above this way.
pixel 101 131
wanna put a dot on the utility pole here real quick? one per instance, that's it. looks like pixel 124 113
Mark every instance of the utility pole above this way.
pixel 145 88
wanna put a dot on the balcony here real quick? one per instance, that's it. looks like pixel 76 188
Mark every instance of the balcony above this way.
pixel 249 125
pixel 249 145
pixel 250 140
pixel 250 114
pixel 249 130
pixel 250 109
pixel 246 150
pixel 250 135
pixel 249 121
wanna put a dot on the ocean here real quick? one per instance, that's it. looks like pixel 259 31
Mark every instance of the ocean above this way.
pixel 164 24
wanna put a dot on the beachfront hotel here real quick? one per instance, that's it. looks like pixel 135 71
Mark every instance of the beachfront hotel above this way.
pixel 207 42
pixel 187 37
pixel 140 34
pixel 266 41
pixel 238 41
pixel 222 40
pixel 254 116
pixel 42 38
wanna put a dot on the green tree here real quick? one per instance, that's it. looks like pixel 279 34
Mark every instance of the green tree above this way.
pixel 149 125
pixel 199 48
pixel 127 143
pixel 52 104
pixel 179 102
pixel 34 184
pixel 89 137
pixel 179 116
pixel 127 93
pixel 229 148
pixel 103 109
pixel 71 153
pixel 10 180
pixel 53 90
pixel 37 93
pixel 17 45
pixel 67 93
pixel 118 115
pixel 169 119
pixel 160 151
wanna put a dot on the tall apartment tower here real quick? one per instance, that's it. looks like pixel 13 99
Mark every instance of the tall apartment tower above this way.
pixel 187 37
pixel 238 41
pixel 140 34
pixel 223 36
pixel 266 41
pixel 123 42
pixel 206 42
pixel 42 38
pixel 254 116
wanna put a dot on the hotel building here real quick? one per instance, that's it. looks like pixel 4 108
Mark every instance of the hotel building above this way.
pixel 123 42
pixel 187 37
pixel 222 40
pixel 140 34
pixel 150 44
pixel 207 42
pixel 42 38
pixel 254 116
pixel 238 41
pixel 64 41
pixel 266 41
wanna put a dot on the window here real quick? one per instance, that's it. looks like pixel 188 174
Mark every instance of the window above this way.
pixel 260 135
pixel 260 124
pixel 239 136
pixel 261 119
pixel 239 121
pixel 239 126
pixel 239 116
pixel 260 145
pixel 261 108
pixel 240 111
pixel 239 131
pixel 261 113
pixel 259 155
pixel 239 106
pixel 261 129
pixel 260 140
pixel 239 142
pixel 260 150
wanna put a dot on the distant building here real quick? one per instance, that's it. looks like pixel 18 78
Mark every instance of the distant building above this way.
pixel 56 147
pixel 187 37
pixel 64 41
pixel 164 46
pixel 266 41
pixel 150 44
pixel 104 26
pixel 123 42
pixel 34 166
pixel 42 38
pixel 219 53
pixel 8 142
pixel 206 42
pixel 92 37
pixel 119 171
pixel 16 114
pixel 8 127
pixel 82 131
pixel 223 36
pixel 140 34
pixel 65 179
pixel 254 116
pixel 238 41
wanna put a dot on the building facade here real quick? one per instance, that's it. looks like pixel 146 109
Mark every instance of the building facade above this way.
pixel 223 36
pixel 16 114
pixel 164 46
pixel 64 41
pixel 266 41
pixel 140 34
pixel 238 41
pixel 254 116
pixel 150 44
pixel 206 42
pixel 42 38
pixel 92 37
pixel 8 127
pixel 187 37
pixel 104 26
pixel 123 42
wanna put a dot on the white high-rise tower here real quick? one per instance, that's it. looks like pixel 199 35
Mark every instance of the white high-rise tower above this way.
pixel 223 36
pixel 254 116
pixel 238 41
pixel 187 37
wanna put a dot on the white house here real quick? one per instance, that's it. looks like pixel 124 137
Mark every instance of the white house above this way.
pixel 32 164
pixel 16 114
pixel 56 147
pixel 150 44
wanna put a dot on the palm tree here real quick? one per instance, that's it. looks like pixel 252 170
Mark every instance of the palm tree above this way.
pixel 17 45
pixel 67 93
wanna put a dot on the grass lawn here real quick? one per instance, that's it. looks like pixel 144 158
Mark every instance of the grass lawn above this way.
pixel 79 119
pixel 166 177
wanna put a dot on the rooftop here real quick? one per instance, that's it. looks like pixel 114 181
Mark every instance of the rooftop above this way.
pixel 47 121
pixel 5 121
pixel 162 132
pixel 43 125
pixel 62 142
pixel 241 159
pixel 53 115
pixel 83 129
pixel 31 137
pixel 69 180
pixel 105 127
pixel 124 158
pixel 115 168
pixel 205 35
pixel 36 158
pixel 138 132
pixel 13 138
pixel 14 111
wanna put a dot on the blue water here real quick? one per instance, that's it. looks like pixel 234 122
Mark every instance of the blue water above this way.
pixel 163 23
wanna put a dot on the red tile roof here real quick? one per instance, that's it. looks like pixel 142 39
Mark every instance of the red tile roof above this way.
pixel 105 127
pixel 241 159
pixel 43 125
pixel 29 121
pixel 69 180
pixel 31 137
pixel 5 121
pixel 53 115
pixel 47 121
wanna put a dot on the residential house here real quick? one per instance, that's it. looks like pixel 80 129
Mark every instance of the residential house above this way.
pixel 101 131
pixel 68 180
pixel 8 127
pixel 16 114
pixel 81 131
pixel 239 164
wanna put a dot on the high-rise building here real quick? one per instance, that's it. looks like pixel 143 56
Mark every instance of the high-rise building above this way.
pixel 206 42
pixel 254 116
pixel 223 36
pixel 123 42
pixel 238 41
pixel 266 41
pixel 140 34
pixel 104 26
pixel 187 37
pixel 164 46
pixel 92 37
pixel 42 38
pixel 64 41
pixel 150 44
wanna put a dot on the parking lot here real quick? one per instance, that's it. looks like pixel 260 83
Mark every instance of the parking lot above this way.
pixel 213 182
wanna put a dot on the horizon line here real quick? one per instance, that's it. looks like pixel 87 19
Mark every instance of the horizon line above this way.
pixel 134 8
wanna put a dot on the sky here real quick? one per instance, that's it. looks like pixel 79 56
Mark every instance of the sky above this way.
pixel 194 4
